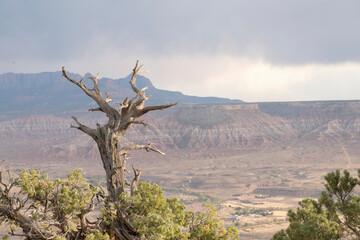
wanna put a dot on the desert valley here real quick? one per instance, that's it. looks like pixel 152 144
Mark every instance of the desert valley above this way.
pixel 252 160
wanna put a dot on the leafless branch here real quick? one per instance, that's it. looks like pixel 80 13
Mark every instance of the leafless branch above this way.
pixel 95 109
pixel 90 131
pixel 133 77
pixel 96 83
pixel 152 108
pixel 135 181
pixel 139 122
pixel 108 99
pixel 94 93
pixel 148 148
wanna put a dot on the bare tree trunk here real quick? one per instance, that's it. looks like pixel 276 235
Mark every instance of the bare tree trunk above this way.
pixel 108 138
pixel 135 181
pixel 108 145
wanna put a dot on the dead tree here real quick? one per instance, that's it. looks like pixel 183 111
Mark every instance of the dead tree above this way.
pixel 135 182
pixel 108 136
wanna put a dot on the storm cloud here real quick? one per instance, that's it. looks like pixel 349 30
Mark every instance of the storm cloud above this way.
pixel 185 41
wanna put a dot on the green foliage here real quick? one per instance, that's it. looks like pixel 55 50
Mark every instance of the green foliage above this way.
pixel 281 235
pixel 207 226
pixel 6 237
pixel 57 209
pixel 152 215
pixel 335 215
pixel 71 195
pixel 258 211
pixel 62 201
pixel 97 236
pixel 155 217
pixel 312 221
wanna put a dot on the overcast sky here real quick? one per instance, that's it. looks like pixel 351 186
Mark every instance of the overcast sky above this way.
pixel 270 50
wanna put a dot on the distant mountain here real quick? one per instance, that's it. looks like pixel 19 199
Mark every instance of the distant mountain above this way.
pixel 211 144
pixel 49 92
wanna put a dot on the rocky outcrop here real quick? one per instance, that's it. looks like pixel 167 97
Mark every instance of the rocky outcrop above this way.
pixel 201 130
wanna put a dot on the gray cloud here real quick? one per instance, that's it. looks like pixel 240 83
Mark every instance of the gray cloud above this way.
pixel 280 31
pixel 257 50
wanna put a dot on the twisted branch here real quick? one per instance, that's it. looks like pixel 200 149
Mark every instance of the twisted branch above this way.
pixel 89 131
pixel 95 94
pixel 148 148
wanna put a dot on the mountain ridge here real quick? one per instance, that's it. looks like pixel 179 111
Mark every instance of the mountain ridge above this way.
pixel 199 128
pixel 40 93
pixel 275 150
pixel 277 143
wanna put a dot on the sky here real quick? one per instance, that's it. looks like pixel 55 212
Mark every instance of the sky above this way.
pixel 254 50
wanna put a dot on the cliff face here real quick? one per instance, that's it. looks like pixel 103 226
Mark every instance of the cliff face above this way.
pixel 332 120
pixel 193 130
pixel 217 145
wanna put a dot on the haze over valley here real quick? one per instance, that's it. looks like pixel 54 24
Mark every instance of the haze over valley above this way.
pixel 267 93
pixel 228 149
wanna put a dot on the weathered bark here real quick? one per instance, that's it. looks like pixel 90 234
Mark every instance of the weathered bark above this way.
pixel 108 143
pixel 31 231
pixel 10 206
pixel 108 136
pixel 46 219
pixel 135 181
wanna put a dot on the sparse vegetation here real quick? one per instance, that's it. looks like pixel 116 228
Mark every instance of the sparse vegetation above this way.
pixel 66 209
pixel 60 209
pixel 74 208
pixel 335 215
pixel 258 211
pixel 256 224
pixel 202 197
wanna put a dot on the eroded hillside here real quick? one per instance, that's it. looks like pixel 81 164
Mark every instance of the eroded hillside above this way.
pixel 259 156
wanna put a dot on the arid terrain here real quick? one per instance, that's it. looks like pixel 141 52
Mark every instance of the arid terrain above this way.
pixel 254 161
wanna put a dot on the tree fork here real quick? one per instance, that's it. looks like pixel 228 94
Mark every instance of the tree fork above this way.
pixel 108 136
